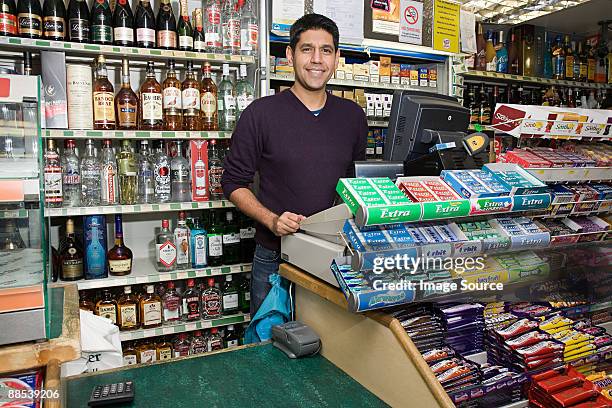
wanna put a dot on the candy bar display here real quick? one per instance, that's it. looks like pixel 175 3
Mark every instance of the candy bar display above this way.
pixel 464 325
pixel 423 325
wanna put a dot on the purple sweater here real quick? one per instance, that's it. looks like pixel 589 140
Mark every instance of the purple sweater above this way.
pixel 299 156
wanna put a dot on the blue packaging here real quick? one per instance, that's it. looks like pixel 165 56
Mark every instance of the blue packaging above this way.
pixel 94 231
pixel 198 246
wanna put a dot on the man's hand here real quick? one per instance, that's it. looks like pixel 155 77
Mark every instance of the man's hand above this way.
pixel 286 223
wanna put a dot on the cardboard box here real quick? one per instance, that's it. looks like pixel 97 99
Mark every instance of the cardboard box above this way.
pixel 414 76
pixel 423 76
pixel 53 65
pixel 341 70
pixel 361 72
pixel 283 66
pixel 199 170
pixel 404 74
pixel 370 106
pixel 378 105
pixel 395 74
pixel 374 71
pixel 348 72
pixel 433 77
pixel 387 102
pixel 385 70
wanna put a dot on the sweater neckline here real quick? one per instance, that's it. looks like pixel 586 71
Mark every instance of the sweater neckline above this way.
pixel 305 109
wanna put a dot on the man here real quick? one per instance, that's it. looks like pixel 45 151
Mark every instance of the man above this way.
pixel 301 141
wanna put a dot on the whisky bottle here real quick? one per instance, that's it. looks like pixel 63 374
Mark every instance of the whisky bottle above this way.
pixel 146 352
pixel 211 300
pixel 181 240
pixel 163 350
pixel 151 105
pixel 119 257
pixel 214 340
pixel 181 346
pixel 208 100
pixel 172 100
pixel 71 255
pixel 229 301
pixel 126 101
pixel 150 309
pixel 129 353
pixel 128 310
pixel 107 307
pixel 231 240
pixel 165 249
pixel 191 100
pixel 103 98
pixel 191 302
pixel 171 304
pixel 198 343
pixel 86 304
pixel 126 161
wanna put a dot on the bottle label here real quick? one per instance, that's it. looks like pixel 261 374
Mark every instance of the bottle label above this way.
pixel 192 307
pixel 233 238
pixel 191 101
pixel 180 174
pixel 124 34
pixel 569 66
pixel 109 312
pixel 209 105
pixel 492 65
pixel 230 301
pixel 54 27
pixel 172 310
pixel 166 39
pixel 583 71
pixel 119 265
pixel 181 238
pixel 152 314
pixel 79 29
pixel 242 101
pixel 215 245
pixel 198 348
pixel 162 179
pixel 128 316
pixel 104 112
pixel 558 65
pixel 199 45
pixel 230 102
pixel 102 33
pixel 165 354
pixel 53 184
pixel 166 253
pixel 199 250
pixel 213 40
pixel 127 115
pixel 211 304
pixel 72 268
pixel 172 100
pixel 231 37
pixel 72 177
pixel 247 233
pixel 249 37
pixel 200 179
pixel 186 41
pixel 181 351
pixel 129 359
pixel 215 345
pixel 145 35
pixel 109 184
pixel 232 343
pixel 247 296
pixel 591 68
pixel 151 106
pixel 8 23
pixel 147 356
pixel 30 24
pixel 214 179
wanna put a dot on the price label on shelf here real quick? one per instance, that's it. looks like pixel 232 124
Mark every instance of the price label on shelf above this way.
pixel 191 326
pixel 168 330
pixel 142 279
pixel 182 275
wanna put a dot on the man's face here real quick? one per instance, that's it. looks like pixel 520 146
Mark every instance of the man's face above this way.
pixel 314 59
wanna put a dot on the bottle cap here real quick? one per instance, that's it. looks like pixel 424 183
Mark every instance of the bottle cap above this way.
pixel 182 215
pixel 191 282
pixel 70 143
pixel 214 330
pixel 127 289
pixel 228 278
pixel 197 333
pixel 165 223
pixel 230 327
pixel 211 282
pixel 170 285
pixel 150 288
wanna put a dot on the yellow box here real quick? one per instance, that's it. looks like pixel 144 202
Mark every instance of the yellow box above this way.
pixel 337 93
pixel 395 73
pixel 385 70
pixel 348 72
pixel 341 70
pixel 361 72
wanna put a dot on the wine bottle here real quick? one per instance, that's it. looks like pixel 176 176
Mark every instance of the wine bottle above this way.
pixel 8 17
pixel 199 41
pixel 78 21
pixel 101 23
pixel 29 16
pixel 145 25
pixel 185 32
pixel 123 23
pixel 166 26
pixel 54 20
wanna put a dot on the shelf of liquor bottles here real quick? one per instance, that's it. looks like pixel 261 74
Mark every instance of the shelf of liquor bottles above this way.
pixel 147 54
pixel 136 208
pixel 361 84
pixel 534 80
pixel 145 271
pixel 134 134
pixel 182 327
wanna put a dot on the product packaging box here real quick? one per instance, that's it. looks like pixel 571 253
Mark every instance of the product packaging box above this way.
pixel 414 76
pixel 423 76
pixel 404 74
pixel 517 180
pixel 348 72
pixel 370 106
pixel 395 74
pixel 474 183
pixel 341 70
pixel 387 102
pixel 378 105
pixel 385 70
pixel 283 66
pixel 361 72
pixel 337 93
pixel 199 170
pixel 374 67
pixel 54 83
pixel 433 77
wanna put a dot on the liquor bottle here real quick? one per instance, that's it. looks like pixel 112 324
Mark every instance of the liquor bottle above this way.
pixel 151 112
pixel 582 63
pixel 71 180
pixel 199 170
pixel 150 309
pixel 558 59
pixel 247 239
pixel 107 306
pixel 53 176
pixel 215 240
pixel 27 63
pixel 103 99
pixel 165 249
pixel 571 98
pixel 199 39
pixel 231 240
pixel 490 54
pixel 185 32
pixel 230 19
pixel 145 25
pixel 495 98
pixel 110 179
pixel 85 303
pixel 123 24
pixel 513 59
pixel 172 304
pixel 229 300
pixel 163 350
pixel 171 103
pixel 473 106
pixel 101 23
pixel 208 99
pixel 244 293
pixel 128 310
pixel 569 59
pixel 54 20
pixel 226 102
pixel 548 68
pixel 161 174
pixel 215 171
pixel 126 162
pixel 576 70
pixel 166 26
pixel 78 21
pixel 145 176
pixel 90 176
pixel 198 245
pixel 191 302
pixel 501 55
pixel 249 30
pixel 129 353
pixel 230 337
pixel 71 255
pixel 211 300
pixel 591 63
pixel 529 56
pixel 8 18
pixel 29 17
pixel 485 108
pixel 180 175
pixel 119 257
pixel 213 35
pixel 181 239
pixel 190 96
pixel 480 62
pixel 126 101
pixel 181 346
pixel 245 94
pixel 95 246
pixel 146 352
pixel 198 343
pixel 214 340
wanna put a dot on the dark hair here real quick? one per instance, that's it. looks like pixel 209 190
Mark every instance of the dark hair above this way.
pixel 313 22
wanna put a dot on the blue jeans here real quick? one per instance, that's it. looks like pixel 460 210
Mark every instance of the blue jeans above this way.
pixel 265 263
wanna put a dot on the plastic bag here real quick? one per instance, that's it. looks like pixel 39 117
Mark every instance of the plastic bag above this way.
pixel 275 309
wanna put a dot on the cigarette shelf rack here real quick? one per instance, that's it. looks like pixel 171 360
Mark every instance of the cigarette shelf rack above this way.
pixel 571 174
pixel 134 134
pixel 480 75
pixel 359 84
pixel 136 208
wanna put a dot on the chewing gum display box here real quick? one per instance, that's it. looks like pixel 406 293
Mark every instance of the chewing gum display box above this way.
pixel 199 170
pixel 375 201
pixel 438 199
pixel 516 179
pixel 522 231
pixel 474 183
pixel 491 238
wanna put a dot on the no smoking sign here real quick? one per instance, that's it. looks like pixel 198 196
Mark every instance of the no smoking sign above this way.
pixel 411 26
pixel 411 15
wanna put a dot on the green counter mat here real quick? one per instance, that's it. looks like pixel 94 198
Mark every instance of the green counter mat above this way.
pixel 56 311
pixel 260 376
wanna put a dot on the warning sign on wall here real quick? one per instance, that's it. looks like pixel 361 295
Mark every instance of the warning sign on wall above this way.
pixel 411 22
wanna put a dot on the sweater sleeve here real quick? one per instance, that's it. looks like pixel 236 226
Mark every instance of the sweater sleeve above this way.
pixel 242 161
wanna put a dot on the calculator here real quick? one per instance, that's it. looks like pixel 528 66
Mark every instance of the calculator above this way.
pixel 109 394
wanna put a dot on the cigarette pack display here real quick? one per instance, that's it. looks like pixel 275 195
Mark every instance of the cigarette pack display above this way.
pixel 514 178
pixel 199 170
pixel 396 74
pixel 526 159
pixel 404 74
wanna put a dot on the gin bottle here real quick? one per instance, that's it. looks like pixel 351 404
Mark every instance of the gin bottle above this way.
pixel 90 176
pixel 245 94
pixel 146 183
pixel 230 27
pixel 109 177
pixel 249 30
pixel 179 175
pixel 212 19
pixel 161 174
pixel 71 175
pixel 165 249
pixel 226 103
pixel 126 160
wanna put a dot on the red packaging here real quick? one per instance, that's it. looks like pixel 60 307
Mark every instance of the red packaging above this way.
pixel 556 384
pixel 199 170
pixel 572 396
pixel 527 339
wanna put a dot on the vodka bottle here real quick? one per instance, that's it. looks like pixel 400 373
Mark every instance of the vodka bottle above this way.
pixel 226 103
pixel 146 182
pixel 212 24
pixel 249 30
pixel 128 173
pixel 109 175
pixel 244 92
pixel 231 27
pixel 215 171
pixel 181 240
pixel 53 176
pixel 179 175
pixel 90 176
pixel 71 175
pixel 161 174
